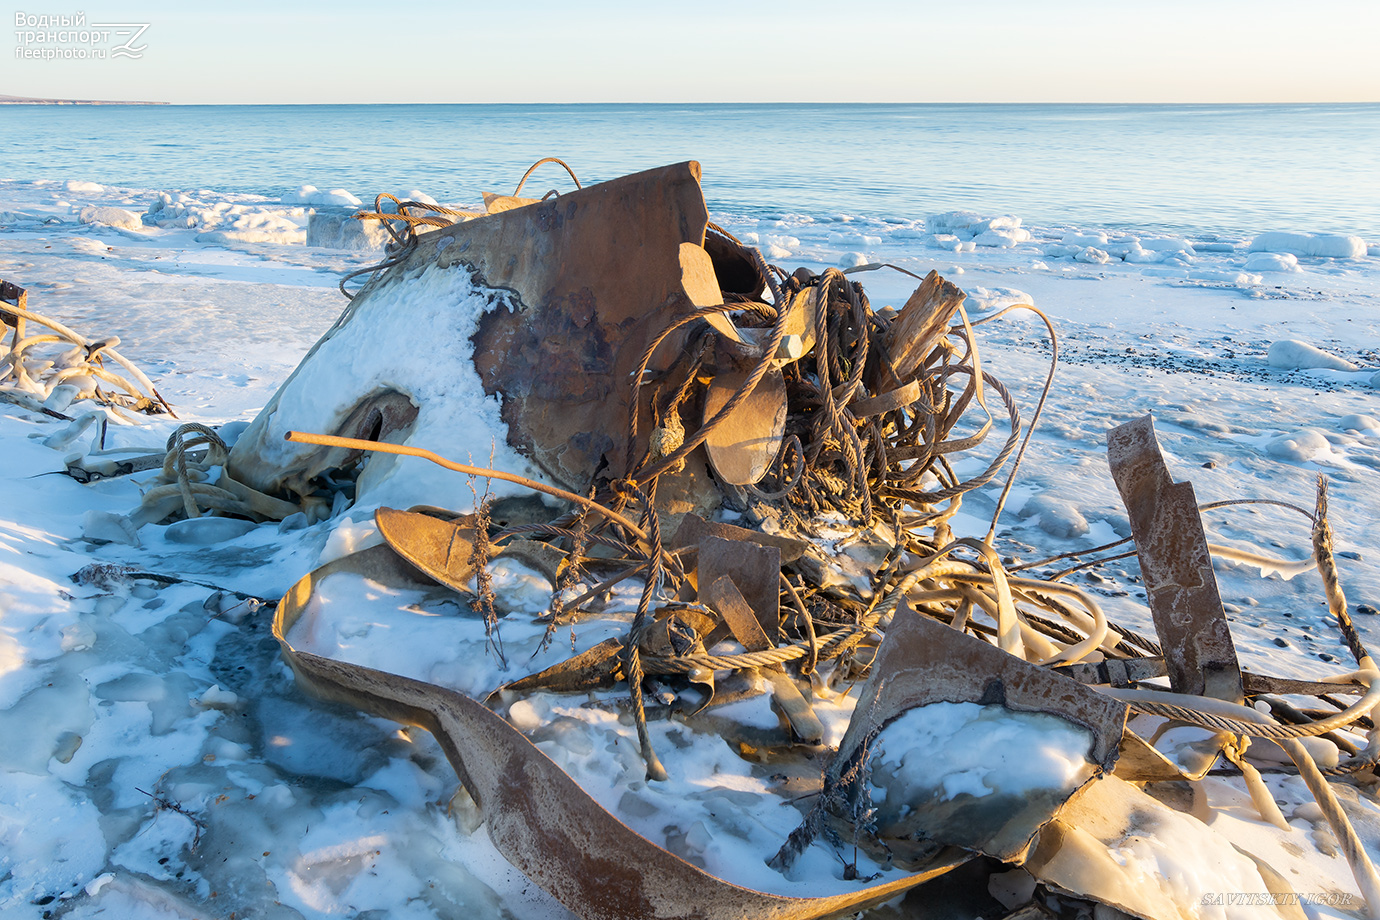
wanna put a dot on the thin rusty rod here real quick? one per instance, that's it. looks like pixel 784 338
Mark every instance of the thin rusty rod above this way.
pixel 330 440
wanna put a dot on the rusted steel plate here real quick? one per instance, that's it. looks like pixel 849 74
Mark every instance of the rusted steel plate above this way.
pixel 724 598
pixel 596 667
pixel 921 662
pixel 754 569
pixel 742 447
pixel 1175 565
pixel 694 528
pixel 495 203
pixel 441 549
pixel 787 699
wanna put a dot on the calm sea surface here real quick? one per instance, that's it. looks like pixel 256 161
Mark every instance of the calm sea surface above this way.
pixel 1209 169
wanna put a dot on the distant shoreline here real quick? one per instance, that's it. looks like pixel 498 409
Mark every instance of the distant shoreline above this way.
pixel 31 100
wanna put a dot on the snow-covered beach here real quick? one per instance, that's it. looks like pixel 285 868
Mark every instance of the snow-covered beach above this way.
pixel 159 760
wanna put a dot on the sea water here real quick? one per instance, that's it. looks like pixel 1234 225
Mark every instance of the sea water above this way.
pixel 1230 169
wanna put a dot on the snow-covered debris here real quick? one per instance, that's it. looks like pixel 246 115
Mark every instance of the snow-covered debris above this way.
pixel 337 228
pixel 940 751
pixel 241 751
pixel 1291 354
pixel 111 217
pixel 1326 245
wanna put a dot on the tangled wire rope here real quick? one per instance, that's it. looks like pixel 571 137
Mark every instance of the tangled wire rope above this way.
pixel 45 370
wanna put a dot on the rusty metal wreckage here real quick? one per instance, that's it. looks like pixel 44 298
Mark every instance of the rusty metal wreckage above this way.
pixel 657 371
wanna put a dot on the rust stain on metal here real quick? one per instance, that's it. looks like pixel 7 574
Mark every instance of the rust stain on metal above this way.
pixel 1175 565
pixel 596 273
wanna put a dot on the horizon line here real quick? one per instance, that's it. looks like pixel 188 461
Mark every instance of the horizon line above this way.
pixel 38 101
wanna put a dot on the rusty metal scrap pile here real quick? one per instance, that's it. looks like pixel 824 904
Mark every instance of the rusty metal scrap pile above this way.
pixel 657 392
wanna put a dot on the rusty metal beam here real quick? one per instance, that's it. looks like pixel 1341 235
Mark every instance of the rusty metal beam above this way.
pixel 1175 565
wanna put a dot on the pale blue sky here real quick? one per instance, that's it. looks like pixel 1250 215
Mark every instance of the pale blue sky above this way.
pixel 804 51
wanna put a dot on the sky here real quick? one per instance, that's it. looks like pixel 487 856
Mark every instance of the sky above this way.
pixel 259 52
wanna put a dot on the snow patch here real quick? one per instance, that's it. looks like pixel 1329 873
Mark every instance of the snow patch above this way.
pixel 1359 423
pixel 1332 246
pixel 941 751
pixel 1083 239
pixel 429 317
pixel 1058 518
pixel 111 217
pixel 969 230
pixel 311 195
pixel 1273 262
pixel 969 223
pixel 1300 446
pixel 1167 244
pixel 982 300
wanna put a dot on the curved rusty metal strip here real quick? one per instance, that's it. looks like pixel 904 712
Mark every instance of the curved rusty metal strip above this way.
pixel 537 816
